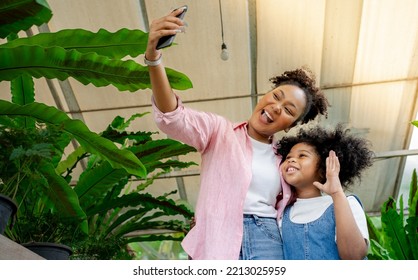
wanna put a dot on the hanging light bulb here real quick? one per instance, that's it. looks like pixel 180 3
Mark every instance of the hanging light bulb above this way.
pixel 224 49
pixel 224 52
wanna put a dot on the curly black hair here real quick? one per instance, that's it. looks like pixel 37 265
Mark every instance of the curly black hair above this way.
pixel 353 152
pixel 304 78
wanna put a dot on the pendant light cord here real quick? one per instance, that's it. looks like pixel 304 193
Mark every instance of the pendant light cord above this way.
pixel 222 24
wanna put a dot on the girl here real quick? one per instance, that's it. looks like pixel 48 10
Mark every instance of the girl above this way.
pixel 330 226
pixel 237 211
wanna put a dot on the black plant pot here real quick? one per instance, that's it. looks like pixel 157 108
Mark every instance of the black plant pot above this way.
pixel 50 251
pixel 8 210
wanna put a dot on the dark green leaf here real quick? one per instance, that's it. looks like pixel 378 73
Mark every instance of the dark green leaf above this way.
pixel 23 92
pixel 412 233
pixel 56 62
pixel 91 141
pixel 115 45
pixel 20 15
pixel 392 225
pixel 61 193
pixel 413 195
pixel 97 181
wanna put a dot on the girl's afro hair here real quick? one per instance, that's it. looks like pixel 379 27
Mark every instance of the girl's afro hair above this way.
pixel 352 151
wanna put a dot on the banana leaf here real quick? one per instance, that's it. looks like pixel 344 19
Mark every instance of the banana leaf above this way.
pixel 99 70
pixel 92 142
pixel 20 15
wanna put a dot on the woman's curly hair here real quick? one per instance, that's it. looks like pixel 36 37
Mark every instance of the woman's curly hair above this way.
pixel 304 78
pixel 352 151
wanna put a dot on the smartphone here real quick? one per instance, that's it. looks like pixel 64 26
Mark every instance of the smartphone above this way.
pixel 166 41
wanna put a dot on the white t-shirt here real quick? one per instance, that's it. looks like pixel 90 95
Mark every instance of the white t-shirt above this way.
pixel 265 183
pixel 308 210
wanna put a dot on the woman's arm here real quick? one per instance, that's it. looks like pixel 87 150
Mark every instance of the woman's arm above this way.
pixel 161 89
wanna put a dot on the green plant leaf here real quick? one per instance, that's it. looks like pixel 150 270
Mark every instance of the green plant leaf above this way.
pixel 116 45
pixel 153 237
pixel 23 92
pixel 61 193
pixel 56 62
pixel 70 162
pixel 92 142
pixel 412 234
pixel 144 200
pixel 161 149
pixel 97 181
pixel 378 252
pixel 173 225
pixel 20 15
pixel 120 124
pixel 374 232
pixel 168 165
pixel 415 123
pixel 392 225
pixel 413 195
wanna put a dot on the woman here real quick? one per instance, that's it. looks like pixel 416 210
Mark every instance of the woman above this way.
pixel 238 206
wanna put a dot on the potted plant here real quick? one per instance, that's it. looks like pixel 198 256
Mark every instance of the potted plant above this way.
pixel 116 203
pixel 90 58
pixel 27 158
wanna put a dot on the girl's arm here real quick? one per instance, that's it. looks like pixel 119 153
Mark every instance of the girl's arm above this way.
pixel 350 242
pixel 161 89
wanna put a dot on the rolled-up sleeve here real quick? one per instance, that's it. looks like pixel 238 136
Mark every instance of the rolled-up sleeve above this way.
pixel 164 119
pixel 189 126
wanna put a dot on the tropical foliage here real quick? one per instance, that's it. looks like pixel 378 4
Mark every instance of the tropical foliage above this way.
pixel 89 57
pixel 396 238
pixel 104 205
pixel 117 207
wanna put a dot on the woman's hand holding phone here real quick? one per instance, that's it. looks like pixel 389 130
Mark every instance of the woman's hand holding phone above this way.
pixel 166 41
pixel 163 31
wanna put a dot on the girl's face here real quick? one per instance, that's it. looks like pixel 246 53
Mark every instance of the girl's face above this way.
pixel 300 168
pixel 276 111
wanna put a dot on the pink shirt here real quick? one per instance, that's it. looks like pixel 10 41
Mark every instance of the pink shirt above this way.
pixel 226 153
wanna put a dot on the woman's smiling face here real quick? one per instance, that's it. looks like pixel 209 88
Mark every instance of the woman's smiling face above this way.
pixel 276 111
